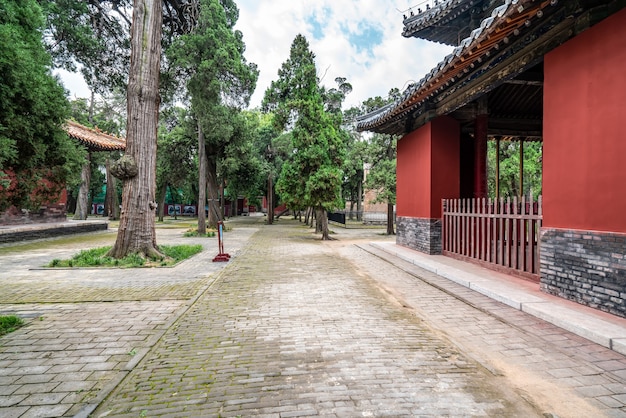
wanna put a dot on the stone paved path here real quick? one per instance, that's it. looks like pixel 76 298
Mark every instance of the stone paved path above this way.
pixel 290 327
pixel 86 328
pixel 289 330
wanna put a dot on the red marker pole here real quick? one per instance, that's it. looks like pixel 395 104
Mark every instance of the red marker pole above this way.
pixel 222 256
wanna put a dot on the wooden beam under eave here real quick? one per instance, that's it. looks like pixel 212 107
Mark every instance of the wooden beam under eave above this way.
pixel 509 69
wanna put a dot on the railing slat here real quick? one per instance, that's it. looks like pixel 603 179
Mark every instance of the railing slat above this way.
pixel 495 231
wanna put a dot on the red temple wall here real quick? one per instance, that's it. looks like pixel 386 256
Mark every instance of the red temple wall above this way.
pixel 428 168
pixel 584 147
pixel 413 173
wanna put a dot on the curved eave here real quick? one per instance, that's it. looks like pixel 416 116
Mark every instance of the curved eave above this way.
pixel 439 14
pixel 503 21
pixel 94 139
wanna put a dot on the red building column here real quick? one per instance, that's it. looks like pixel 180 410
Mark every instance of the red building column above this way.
pixel 480 155
pixel 428 170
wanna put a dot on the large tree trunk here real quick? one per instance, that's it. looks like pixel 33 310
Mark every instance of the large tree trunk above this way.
pixel 390 230
pixel 322 223
pixel 82 202
pixel 111 204
pixel 215 214
pixel 202 176
pixel 136 232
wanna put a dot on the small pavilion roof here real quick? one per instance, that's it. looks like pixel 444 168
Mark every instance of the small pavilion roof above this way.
pixel 93 138
pixel 507 20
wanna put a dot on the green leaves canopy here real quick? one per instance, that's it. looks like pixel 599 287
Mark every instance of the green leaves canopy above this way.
pixel 33 109
pixel 313 176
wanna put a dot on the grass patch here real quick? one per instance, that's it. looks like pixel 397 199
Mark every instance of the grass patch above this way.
pixel 9 323
pixel 96 257
pixel 84 240
pixel 195 233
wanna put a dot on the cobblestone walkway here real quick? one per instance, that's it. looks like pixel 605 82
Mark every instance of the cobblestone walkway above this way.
pixel 86 328
pixel 289 330
pixel 290 327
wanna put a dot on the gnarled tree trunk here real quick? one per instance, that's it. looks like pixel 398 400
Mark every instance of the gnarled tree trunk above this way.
pixel 322 223
pixel 136 232
pixel 82 202
pixel 111 201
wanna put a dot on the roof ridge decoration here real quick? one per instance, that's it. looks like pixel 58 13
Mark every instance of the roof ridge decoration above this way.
pixel 94 138
pixel 455 64
pixel 433 14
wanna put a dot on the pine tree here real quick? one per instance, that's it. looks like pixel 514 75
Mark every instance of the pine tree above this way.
pixel 220 81
pixel 313 177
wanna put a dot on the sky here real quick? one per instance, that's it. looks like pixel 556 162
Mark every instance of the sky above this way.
pixel 357 39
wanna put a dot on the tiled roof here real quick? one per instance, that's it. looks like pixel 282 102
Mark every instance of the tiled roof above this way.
pixel 439 14
pixel 93 138
pixel 504 20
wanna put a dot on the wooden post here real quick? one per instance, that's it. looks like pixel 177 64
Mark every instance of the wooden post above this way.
pixel 521 167
pixel 480 156
pixel 498 167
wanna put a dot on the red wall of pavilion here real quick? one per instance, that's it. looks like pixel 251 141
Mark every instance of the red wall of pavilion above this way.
pixel 584 155
pixel 428 168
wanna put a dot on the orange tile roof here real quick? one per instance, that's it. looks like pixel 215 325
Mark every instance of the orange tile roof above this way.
pixel 93 138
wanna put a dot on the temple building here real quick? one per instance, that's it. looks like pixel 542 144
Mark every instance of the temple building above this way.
pixel 547 71
pixel 93 139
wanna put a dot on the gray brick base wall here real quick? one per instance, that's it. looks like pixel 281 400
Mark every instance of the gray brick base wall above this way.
pixel 419 234
pixel 50 231
pixel 586 267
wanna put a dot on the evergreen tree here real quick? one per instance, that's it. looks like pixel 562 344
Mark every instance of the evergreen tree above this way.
pixel 313 176
pixel 175 159
pixel 381 156
pixel 220 81
pixel 33 109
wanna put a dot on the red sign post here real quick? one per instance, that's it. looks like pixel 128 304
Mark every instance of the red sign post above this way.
pixel 222 256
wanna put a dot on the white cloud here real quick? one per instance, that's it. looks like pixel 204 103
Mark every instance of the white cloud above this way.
pixel 269 27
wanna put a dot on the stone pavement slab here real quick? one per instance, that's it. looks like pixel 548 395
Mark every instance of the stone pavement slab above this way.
pixel 536 356
pixel 604 329
pixel 86 328
pixel 290 330
pixel 291 327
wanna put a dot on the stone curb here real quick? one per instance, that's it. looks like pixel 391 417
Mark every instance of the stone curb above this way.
pixel 580 320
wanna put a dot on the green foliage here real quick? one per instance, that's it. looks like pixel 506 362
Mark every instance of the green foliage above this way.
pixel 382 178
pixel 219 81
pixel 382 173
pixel 242 163
pixel 510 168
pixel 176 162
pixel 33 109
pixel 96 257
pixel 378 152
pixel 9 323
pixel 194 233
pixel 108 113
pixel 93 34
pixel 313 175
pixel 211 59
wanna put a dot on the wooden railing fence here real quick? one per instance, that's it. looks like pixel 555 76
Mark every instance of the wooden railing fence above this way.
pixel 501 232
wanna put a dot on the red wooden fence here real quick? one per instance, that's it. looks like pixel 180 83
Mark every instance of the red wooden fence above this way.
pixel 500 233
